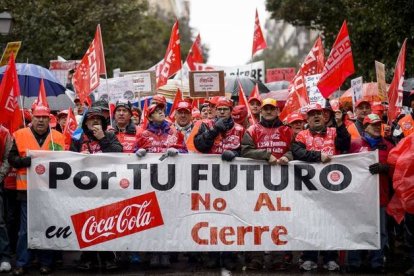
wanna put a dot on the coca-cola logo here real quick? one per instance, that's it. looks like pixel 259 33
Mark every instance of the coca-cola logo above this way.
pixel 117 220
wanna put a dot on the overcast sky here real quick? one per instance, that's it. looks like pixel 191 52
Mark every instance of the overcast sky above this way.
pixel 226 26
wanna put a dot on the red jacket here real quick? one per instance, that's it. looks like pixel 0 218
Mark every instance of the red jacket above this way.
pixel 157 139
pixel 384 147
pixel 231 140
pixel 276 140
pixel 324 142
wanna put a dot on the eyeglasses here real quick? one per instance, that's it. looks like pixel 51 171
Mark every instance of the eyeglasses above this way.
pixel 225 109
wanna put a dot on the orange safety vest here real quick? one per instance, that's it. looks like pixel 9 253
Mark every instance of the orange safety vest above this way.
pixel 407 125
pixel 353 131
pixel 25 140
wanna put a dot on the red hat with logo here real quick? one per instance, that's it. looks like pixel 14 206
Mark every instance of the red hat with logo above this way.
pixel 159 99
pixel 294 117
pixel 62 113
pixel 184 105
pixel 213 100
pixel 314 107
pixel 371 119
pixel 251 99
pixel 223 101
pixel 361 101
pixel 239 113
pixel 154 106
pixel 40 110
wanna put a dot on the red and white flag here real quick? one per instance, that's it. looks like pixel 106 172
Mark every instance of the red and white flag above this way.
pixel 70 127
pixel 255 92
pixel 315 60
pixel 195 54
pixel 172 58
pixel 11 118
pixel 339 64
pixel 297 97
pixel 243 101
pixel 178 98
pixel 86 77
pixel 259 42
pixel 395 91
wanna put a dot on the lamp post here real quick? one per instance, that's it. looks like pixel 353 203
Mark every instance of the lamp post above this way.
pixel 6 22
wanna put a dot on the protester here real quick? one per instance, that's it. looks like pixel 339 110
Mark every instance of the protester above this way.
pixel 212 111
pixel 371 141
pixel 183 119
pixel 362 109
pixel 160 137
pixel 37 137
pixel 268 140
pixel 296 121
pixel 204 111
pixel 255 105
pixel 239 115
pixel 195 113
pixel 61 120
pixel 103 105
pixel 6 143
pixel 79 108
pixel 96 139
pixel 123 127
pixel 318 144
pixel 136 116
pixel 406 124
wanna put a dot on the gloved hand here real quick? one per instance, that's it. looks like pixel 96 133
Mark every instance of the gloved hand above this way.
pixel 171 152
pixel 141 153
pixel 379 168
pixel 27 161
pixel 220 126
pixel 228 155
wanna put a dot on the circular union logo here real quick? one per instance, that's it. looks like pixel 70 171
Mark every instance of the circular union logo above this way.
pixel 335 176
pixel 40 169
pixel 124 183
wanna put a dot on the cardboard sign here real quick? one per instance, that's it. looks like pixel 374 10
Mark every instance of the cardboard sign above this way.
pixel 143 82
pixel 205 84
pixel 382 86
pixel 356 85
pixel 314 94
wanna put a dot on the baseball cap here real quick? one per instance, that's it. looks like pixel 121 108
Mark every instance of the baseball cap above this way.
pixel 314 107
pixel 62 113
pixel 213 100
pixel 159 99
pixel 269 101
pixel 184 106
pixel 123 103
pixel 40 110
pixel 293 117
pixel 371 119
pixel 254 99
pixel 154 106
pixel 361 101
pixel 223 101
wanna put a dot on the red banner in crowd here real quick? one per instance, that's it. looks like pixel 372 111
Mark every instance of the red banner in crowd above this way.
pixel 339 64
pixel 70 127
pixel 195 54
pixel 280 74
pixel 86 77
pixel 395 91
pixel 172 58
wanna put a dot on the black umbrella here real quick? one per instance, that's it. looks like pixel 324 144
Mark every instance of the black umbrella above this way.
pixel 232 85
pixel 277 85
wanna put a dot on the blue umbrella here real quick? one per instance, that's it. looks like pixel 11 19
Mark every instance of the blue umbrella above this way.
pixel 29 79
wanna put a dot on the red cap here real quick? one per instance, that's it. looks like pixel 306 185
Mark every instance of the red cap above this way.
pixel 154 106
pixel 159 99
pixel 239 114
pixel 377 107
pixel 213 100
pixel 313 107
pixel 40 110
pixel 27 115
pixel 195 113
pixel 184 106
pixel 371 119
pixel 223 101
pixel 255 99
pixel 63 113
pixel 293 117
pixel 361 101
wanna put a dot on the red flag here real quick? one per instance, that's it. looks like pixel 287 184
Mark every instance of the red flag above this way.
pixel 70 127
pixel 195 103
pixel 315 60
pixel 86 77
pixel 172 58
pixel 144 115
pixel 259 43
pixel 195 54
pixel 255 92
pixel 11 118
pixel 178 98
pixel 297 97
pixel 243 101
pixel 41 98
pixel 339 65
pixel 395 91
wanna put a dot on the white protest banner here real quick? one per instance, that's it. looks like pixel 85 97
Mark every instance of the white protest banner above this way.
pixel 143 82
pixel 356 85
pixel 255 70
pixel 313 91
pixel 119 89
pixel 197 202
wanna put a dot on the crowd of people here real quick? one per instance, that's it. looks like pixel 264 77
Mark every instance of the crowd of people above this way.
pixel 217 126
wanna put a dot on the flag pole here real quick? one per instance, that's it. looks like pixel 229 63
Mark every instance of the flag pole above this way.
pixel 106 74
